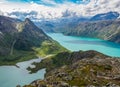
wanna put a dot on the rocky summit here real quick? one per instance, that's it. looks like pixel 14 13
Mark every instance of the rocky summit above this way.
pixel 79 69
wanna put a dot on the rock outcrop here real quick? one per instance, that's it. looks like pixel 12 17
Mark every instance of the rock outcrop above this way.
pixel 79 69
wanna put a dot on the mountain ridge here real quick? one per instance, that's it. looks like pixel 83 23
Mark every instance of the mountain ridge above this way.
pixel 106 28
pixel 77 69
pixel 105 16
pixel 23 40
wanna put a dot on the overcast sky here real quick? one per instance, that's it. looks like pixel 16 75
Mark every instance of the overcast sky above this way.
pixel 55 8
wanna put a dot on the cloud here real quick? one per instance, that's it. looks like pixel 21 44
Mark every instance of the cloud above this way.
pixel 2 1
pixel 48 2
pixel 57 10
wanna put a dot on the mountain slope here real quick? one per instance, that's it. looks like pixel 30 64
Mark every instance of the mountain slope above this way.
pixel 107 30
pixel 23 40
pixel 104 26
pixel 59 25
pixel 79 69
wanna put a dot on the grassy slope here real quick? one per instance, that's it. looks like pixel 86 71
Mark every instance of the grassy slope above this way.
pixel 47 48
pixel 20 41
pixel 18 56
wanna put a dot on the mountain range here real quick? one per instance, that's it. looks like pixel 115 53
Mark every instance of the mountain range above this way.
pixel 107 30
pixel 105 16
pixel 23 40
pixel 104 26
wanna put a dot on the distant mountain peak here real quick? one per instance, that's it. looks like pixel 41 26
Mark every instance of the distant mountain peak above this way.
pixel 106 16
pixel 29 24
pixel 28 21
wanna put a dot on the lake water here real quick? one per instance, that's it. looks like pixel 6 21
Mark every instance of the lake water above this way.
pixel 11 76
pixel 75 43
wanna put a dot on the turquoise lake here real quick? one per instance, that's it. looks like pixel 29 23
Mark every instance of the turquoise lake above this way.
pixel 11 76
pixel 75 43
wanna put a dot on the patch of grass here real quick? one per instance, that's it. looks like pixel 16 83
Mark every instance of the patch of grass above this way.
pixel 52 62
pixel 18 56
pixel 49 47
pixel 85 76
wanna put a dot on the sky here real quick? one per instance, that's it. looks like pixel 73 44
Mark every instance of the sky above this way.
pixel 45 1
pixel 56 8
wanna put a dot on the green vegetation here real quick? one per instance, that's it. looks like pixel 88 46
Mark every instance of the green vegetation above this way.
pixel 86 76
pixel 49 47
pixel 18 56
pixel 52 62
pixel 61 59
pixel 20 41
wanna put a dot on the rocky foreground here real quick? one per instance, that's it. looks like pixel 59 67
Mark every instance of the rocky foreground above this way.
pixel 79 69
